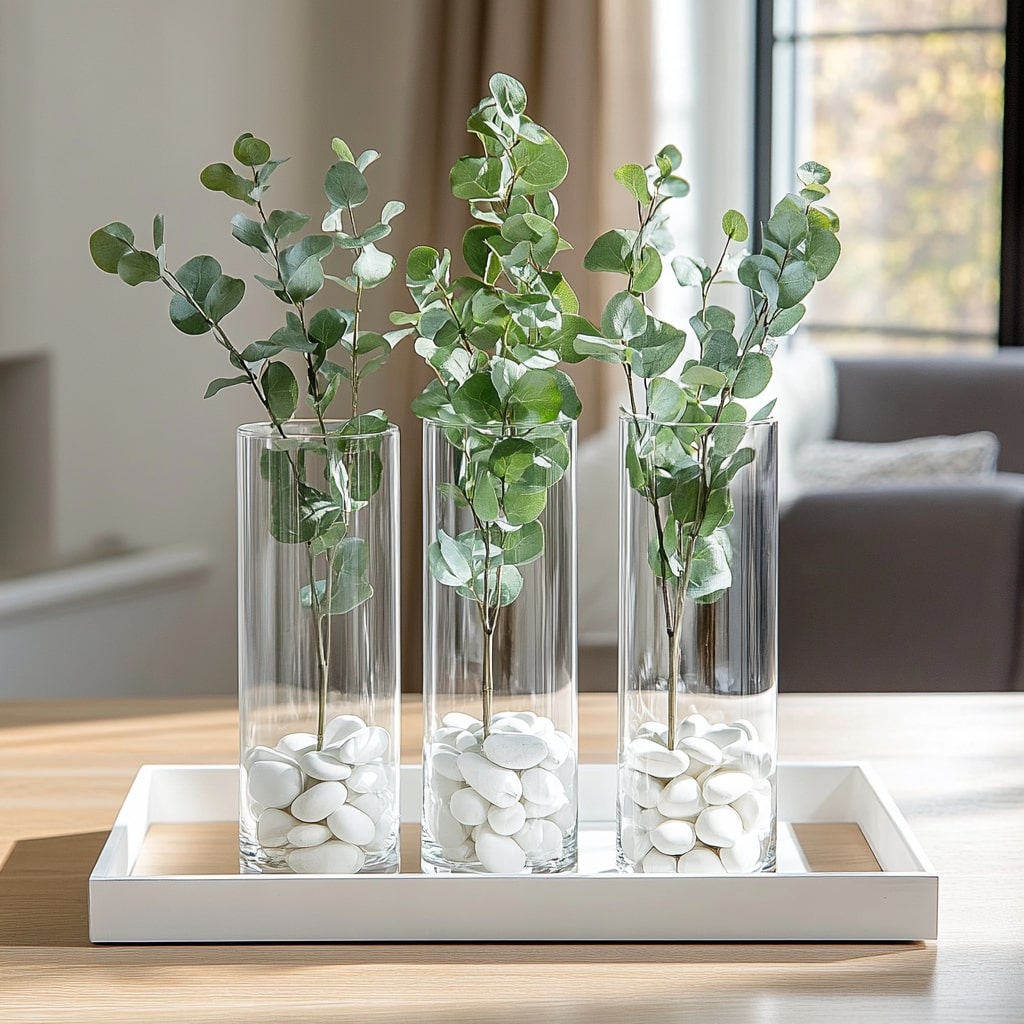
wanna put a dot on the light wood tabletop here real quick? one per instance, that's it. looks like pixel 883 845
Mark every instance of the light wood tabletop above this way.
pixel 954 763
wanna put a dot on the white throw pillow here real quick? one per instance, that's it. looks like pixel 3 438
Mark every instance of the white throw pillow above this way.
pixel 842 465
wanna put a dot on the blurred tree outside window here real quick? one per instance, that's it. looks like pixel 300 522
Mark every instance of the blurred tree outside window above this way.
pixel 903 99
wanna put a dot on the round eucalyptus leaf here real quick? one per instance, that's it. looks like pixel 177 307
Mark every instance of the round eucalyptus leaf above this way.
pixel 280 389
pixel 221 178
pixel 108 244
pixel 634 178
pixel 754 374
pixel 345 185
pixel 734 224
pixel 509 95
pixel 136 267
pixel 542 166
pixel 251 151
pixel 224 295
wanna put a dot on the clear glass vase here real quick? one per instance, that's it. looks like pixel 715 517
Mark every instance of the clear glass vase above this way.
pixel 697 647
pixel 499 685
pixel 319 700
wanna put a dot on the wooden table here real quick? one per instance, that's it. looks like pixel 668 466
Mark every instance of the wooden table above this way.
pixel 954 763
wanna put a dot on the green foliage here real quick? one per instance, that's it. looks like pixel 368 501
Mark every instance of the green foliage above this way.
pixel 493 340
pixel 313 512
pixel 685 443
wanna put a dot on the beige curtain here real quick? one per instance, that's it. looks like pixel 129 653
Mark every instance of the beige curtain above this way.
pixel 414 70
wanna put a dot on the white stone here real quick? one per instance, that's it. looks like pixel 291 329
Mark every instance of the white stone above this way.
pixel 458 720
pixel 718 826
pixel 543 787
pixel 447 735
pixel 754 809
pixel 500 786
pixel 273 827
pixel 565 817
pixel 511 725
pixel 259 753
pixel 722 734
pixel 466 741
pixel 319 765
pixel 635 842
pixel 352 825
pixel 673 837
pixel 753 757
pixel 515 750
pixel 309 835
pixel 367 778
pixel 383 835
pixel 743 855
pixel 318 801
pixel 369 744
pixel 726 786
pixel 331 858
pixel 644 789
pixel 566 771
pixel 681 798
pixel 551 843
pixel 534 810
pixel 559 746
pixel 338 729
pixel 500 855
pixel 507 821
pixel 446 762
pixel 650 818
pixel 274 783
pixel 460 854
pixel 376 805
pixel 531 836
pixel 700 861
pixel 469 807
pixel 748 727
pixel 650 756
pixel 443 789
pixel 702 750
pixel 446 830
pixel 657 863
pixel 297 743
pixel 691 725
pixel 654 731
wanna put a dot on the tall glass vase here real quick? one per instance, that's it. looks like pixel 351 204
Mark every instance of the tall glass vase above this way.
pixel 697 647
pixel 319 700
pixel 499 685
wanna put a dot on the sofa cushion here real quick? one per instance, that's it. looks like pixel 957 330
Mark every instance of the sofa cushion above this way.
pixel 841 465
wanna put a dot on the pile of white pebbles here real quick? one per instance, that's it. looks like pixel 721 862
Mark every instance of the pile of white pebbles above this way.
pixel 325 811
pixel 703 807
pixel 502 803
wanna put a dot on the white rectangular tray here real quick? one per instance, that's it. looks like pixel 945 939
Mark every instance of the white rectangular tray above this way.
pixel 891 894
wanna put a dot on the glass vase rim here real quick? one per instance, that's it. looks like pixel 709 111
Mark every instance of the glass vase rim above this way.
pixel 564 422
pixel 628 417
pixel 263 430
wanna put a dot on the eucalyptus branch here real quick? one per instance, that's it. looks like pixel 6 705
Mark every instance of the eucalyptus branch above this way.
pixel 800 248
pixel 315 514
pixel 507 317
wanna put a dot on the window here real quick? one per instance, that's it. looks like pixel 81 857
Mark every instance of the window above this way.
pixel 903 99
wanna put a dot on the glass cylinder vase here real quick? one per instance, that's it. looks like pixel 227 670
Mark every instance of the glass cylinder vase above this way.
pixel 319 700
pixel 697 647
pixel 499 685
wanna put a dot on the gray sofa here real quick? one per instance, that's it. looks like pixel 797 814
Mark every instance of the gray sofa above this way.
pixel 911 587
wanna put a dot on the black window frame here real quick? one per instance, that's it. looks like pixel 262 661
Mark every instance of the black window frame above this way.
pixel 1010 321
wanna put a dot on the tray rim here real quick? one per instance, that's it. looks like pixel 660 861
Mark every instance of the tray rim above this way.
pixel 916 889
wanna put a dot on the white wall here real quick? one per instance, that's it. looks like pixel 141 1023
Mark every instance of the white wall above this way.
pixel 109 111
